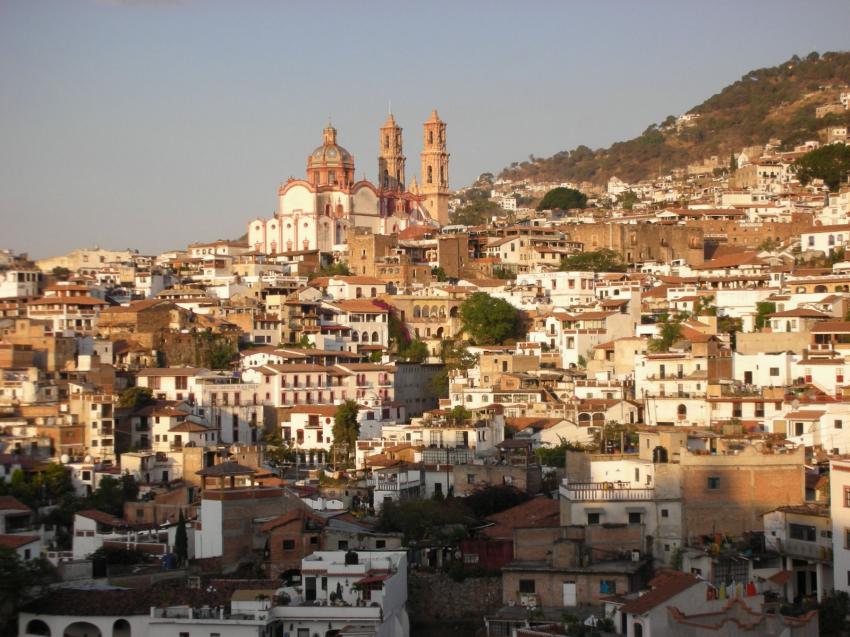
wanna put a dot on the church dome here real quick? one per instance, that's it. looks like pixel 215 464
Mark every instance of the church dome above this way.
pixel 330 153
pixel 330 163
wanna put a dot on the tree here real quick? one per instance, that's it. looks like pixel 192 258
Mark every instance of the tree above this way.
pixel 220 354
pixel 459 414
pixel 831 163
pixel 556 456
pixel 489 320
pixel 504 273
pixel 562 199
pixel 602 260
pixel 475 213
pixel 671 331
pixel 109 496
pixel 763 310
pixel 439 274
pixel 419 519
pixel 339 268
pixel 181 540
pixel 276 452
pixel 21 581
pixel 62 274
pixel 346 429
pixel 627 200
pixel 414 352
pixel 494 499
pixel 134 398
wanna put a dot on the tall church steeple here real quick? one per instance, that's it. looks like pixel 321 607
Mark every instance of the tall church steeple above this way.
pixel 435 169
pixel 391 158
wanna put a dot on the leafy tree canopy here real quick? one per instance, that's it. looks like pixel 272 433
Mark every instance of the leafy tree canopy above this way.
pixel 562 199
pixel 346 428
pixel 602 260
pixel 489 320
pixel 334 269
pixel 135 398
pixel 831 163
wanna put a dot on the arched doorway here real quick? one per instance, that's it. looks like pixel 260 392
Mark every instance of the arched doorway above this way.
pixel 121 628
pixel 682 412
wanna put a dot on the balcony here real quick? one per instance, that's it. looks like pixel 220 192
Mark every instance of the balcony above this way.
pixel 804 549
pixel 605 492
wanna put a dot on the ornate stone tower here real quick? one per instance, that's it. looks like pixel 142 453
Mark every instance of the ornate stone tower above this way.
pixel 391 159
pixel 435 169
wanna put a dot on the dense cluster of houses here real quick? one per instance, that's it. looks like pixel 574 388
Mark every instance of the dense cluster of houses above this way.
pixel 696 395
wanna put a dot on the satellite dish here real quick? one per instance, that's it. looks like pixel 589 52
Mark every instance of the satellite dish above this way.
pixel 65 458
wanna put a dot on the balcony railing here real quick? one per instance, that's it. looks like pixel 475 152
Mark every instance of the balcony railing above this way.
pixel 605 492
pixel 801 548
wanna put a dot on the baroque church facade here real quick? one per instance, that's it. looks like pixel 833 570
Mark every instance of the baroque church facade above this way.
pixel 315 213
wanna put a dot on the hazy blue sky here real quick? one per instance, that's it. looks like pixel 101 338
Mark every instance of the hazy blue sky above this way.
pixel 153 123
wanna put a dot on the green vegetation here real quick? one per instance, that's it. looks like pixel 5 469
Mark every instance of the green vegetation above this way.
pixel 475 213
pixel 277 453
pixel 602 260
pixel 562 199
pixel 830 163
pixel 414 352
pixel 765 103
pixel 627 200
pixel 333 269
pixel 454 357
pixel 489 320
pixel 504 273
pixel 439 274
pixel 763 310
pixel 62 274
pixel 671 331
pixel 345 430
pixel 459 414
pixel 20 582
pixel 556 456
pixel 134 398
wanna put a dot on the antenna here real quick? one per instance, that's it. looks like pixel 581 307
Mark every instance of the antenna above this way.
pixel 390 107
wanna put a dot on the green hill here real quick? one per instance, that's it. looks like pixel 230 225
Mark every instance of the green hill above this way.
pixel 777 102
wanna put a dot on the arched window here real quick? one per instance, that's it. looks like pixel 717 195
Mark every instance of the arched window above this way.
pixel 358 293
pixel 121 628
pixel 364 338
pixel 430 137
pixel 430 175
pixel 832 240
pixel 354 337
pixel 373 292
pixel 82 629
pixel 584 419
pixel 681 412
pixel 820 288
pixel 374 337
pixel 38 627
pixel 417 313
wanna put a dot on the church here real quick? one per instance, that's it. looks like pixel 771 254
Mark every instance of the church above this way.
pixel 315 213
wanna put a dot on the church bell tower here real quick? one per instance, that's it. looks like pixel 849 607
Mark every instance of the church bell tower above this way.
pixel 435 169
pixel 390 158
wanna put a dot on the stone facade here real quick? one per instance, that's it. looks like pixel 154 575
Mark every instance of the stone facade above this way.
pixel 642 241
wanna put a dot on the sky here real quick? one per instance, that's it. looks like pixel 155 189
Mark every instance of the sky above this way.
pixel 150 124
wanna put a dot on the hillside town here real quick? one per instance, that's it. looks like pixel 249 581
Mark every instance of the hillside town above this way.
pixel 358 416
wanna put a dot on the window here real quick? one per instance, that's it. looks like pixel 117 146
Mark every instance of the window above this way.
pixel 847 539
pixel 665 513
pixel 592 518
pixel 774 371
pixel 289 545
pixel 607 587
pixel 802 532
pixel 342 545
pixel 838 424
pixel 470 478
pixel 846 496
pixel 526 586
pixel 635 517
pixel 380 544
pixel 713 482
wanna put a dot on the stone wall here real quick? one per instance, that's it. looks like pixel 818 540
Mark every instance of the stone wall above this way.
pixel 437 597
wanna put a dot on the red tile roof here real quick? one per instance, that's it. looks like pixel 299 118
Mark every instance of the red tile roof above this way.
pixel 538 512
pixel 17 541
pixel 664 588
